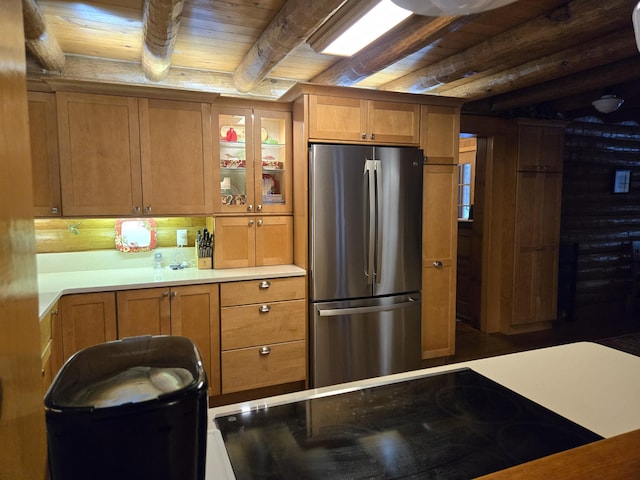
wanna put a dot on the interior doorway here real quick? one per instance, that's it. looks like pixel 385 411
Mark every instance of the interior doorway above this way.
pixel 475 157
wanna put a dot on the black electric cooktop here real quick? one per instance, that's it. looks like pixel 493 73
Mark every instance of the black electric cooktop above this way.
pixel 455 425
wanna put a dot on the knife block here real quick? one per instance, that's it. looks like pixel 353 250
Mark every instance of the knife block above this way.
pixel 203 263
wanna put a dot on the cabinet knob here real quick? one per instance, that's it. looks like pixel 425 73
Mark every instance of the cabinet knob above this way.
pixel 54 210
pixel 43 372
pixel 265 350
pixel 260 222
pixel 437 264
pixel 251 222
pixel 373 136
pixel 165 293
pixel 264 284
pixel 174 294
pixel 259 208
pixel 249 208
pixel 147 209
pixel 364 135
pixel 136 209
pixel 264 309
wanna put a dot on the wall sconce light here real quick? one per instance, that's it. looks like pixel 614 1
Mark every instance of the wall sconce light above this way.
pixel 437 8
pixel 607 103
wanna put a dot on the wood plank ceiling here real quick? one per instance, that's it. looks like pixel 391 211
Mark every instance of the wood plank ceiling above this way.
pixel 545 58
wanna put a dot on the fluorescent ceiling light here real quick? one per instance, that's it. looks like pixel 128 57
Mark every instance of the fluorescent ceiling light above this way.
pixel 375 23
pixel 435 8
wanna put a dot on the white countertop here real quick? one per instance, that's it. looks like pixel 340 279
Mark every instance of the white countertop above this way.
pixel 53 285
pixel 595 386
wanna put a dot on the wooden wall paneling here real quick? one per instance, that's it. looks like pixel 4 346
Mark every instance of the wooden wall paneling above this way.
pixel 600 223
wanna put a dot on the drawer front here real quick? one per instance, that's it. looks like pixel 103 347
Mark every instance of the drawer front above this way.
pixel 262 291
pixel 249 368
pixel 262 324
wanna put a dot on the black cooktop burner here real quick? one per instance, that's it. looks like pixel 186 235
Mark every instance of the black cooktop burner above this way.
pixel 455 425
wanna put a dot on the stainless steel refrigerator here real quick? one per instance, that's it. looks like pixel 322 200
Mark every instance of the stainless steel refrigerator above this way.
pixel 365 206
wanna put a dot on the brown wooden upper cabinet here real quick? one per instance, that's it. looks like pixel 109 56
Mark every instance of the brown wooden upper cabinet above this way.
pixel 252 172
pixel 43 130
pixel 349 119
pixel 129 156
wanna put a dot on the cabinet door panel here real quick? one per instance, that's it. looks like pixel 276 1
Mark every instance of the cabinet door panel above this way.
pixel 438 310
pixel 235 242
pixel 45 168
pixel 391 122
pixel 439 242
pixel 273 165
pixel 337 118
pixel 176 143
pixel 87 319
pixel 439 137
pixel 195 315
pixel 274 241
pixel 144 312
pixel 99 154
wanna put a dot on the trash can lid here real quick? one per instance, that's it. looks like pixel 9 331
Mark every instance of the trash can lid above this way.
pixel 131 370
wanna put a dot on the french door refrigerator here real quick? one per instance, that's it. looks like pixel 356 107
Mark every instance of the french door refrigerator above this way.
pixel 365 206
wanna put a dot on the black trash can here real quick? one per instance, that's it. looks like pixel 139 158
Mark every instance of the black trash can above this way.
pixel 130 409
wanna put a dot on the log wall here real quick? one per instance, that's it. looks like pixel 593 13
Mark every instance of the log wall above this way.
pixel 599 223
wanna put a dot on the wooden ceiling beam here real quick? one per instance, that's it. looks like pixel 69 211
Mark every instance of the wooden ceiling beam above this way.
pixel 39 39
pixel 569 25
pixel 594 79
pixel 161 20
pixel 96 70
pixel 410 36
pixel 292 25
pixel 603 50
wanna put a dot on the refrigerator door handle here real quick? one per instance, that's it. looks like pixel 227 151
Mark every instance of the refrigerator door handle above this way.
pixel 333 312
pixel 378 247
pixel 369 171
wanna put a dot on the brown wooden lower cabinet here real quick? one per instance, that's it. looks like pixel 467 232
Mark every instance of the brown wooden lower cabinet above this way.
pixel 251 334
pixel 191 311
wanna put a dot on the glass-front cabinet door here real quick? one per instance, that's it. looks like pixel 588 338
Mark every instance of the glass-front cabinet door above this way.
pixel 234 176
pixel 272 131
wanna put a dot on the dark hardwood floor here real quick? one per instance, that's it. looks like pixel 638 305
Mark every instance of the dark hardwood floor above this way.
pixel 472 344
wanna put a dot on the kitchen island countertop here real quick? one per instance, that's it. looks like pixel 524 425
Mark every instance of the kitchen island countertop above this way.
pixel 51 286
pixel 594 386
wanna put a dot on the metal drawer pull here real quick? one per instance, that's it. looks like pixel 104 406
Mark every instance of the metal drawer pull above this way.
pixel 263 285
pixel 264 309
pixel 265 350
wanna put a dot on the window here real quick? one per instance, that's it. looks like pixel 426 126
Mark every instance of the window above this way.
pixel 464 191
pixel 466 175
